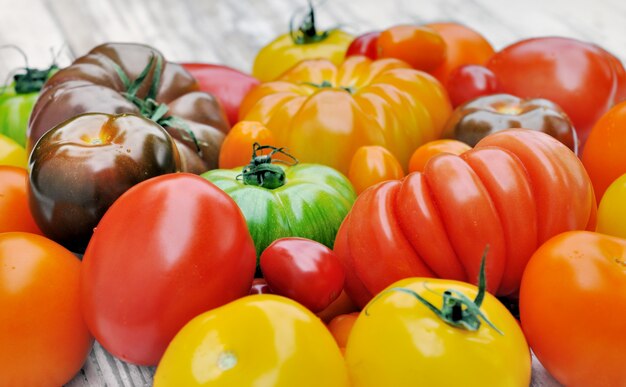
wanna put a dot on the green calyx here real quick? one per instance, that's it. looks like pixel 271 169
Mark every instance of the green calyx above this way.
pixel 457 309
pixel 307 32
pixel 262 171
pixel 31 80
pixel 327 85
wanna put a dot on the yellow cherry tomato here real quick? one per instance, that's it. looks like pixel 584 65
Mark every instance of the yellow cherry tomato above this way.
pixel 612 209
pixel 11 153
pixel 259 340
pixel 398 341
pixel 372 164
pixel 304 43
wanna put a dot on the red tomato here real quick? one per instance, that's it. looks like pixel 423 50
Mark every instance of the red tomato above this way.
pixel 463 46
pixel 573 308
pixel 366 44
pixel 303 270
pixel 469 82
pixel 420 46
pixel 15 213
pixel 225 83
pixel 44 340
pixel 168 249
pixel 579 77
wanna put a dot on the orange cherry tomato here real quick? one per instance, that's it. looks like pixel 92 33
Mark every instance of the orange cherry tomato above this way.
pixel 463 46
pixel 237 146
pixel 422 154
pixel 372 164
pixel 44 340
pixel 15 213
pixel 341 326
pixel 420 46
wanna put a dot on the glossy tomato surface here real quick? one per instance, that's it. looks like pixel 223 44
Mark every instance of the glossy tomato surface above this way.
pixel 372 164
pixel 469 82
pixel 167 250
pixel 612 209
pixel 425 152
pixel 236 149
pixel 366 45
pixel 15 212
pixel 420 46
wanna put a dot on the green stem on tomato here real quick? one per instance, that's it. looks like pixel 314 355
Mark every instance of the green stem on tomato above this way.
pixel 307 32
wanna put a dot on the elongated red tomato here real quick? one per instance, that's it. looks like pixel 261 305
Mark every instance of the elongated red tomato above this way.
pixel 513 191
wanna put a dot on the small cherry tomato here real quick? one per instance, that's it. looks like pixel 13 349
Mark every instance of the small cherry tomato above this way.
pixel 303 270
pixel 421 47
pixel 372 164
pixel 260 286
pixel 422 154
pixel 469 82
pixel 341 326
pixel 235 151
pixel 15 213
pixel 366 44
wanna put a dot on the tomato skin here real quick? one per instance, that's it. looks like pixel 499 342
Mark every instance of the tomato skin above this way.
pixel 11 153
pixel 44 338
pixel 398 341
pixel 425 152
pixel 470 81
pixel 341 326
pixel 185 250
pixel 14 209
pixel 420 46
pixel 236 148
pixel 366 45
pixel 574 320
pixel 371 165
pixel 612 209
pixel 579 77
pixel 304 270
pixel 256 340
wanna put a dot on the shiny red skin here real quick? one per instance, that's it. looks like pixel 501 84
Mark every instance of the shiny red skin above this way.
pixel 228 85
pixel 469 82
pixel 582 78
pixel 168 249
pixel 366 44
pixel 303 270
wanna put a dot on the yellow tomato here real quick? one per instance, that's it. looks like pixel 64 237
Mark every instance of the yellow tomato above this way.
pixel 11 153
pixel 398 341
pixel 323 113
pixel 371 165
pixel 260 340
pixel 612 209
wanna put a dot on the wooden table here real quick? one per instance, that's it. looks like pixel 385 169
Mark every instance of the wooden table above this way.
pixel 232 31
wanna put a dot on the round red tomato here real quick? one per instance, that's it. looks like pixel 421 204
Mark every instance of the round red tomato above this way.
pixel 573 308
pixel 303 270
pixel 43 338
pixel 420 46
pixel 366 44
pixel 580 77
pixel 167 250
pixel 469 82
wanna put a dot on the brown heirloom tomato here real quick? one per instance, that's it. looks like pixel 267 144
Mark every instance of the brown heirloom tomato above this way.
pixel 79 168
pixel 482 116
pixel 116 78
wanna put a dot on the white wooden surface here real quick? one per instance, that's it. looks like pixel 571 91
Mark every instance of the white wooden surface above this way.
pixel 231 32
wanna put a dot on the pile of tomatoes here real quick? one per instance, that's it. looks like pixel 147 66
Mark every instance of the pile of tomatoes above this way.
pixel 357 211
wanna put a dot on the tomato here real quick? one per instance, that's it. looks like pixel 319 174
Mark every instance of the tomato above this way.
pixel 398 340
pixel 341 326
pixel 432 148
pixel 366 45
pixel 235 151
pixel 11 153
pixel 184 250
pixel 44 338
pixel 463 46
pixel 303 200
pixel 420 46
pixel 603 155
pixel 260 340
pixel 304 270
pixel 306 42
pixel 15 213
pixel 342 305
pixel 612 209
pixel 372 164
pixel 469 82
pixel 438 222
pixel 228 85
pixel 573 307
pixel 323 113
pixel 579 77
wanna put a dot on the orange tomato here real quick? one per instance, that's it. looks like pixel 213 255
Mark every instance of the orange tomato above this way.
pixel 342 305
pixel 420 46
pixel 463 46
pixel 573 308
pixel 236 149
pixel 323 113
pixel 422 154
pixel 15 213
pixel 371 165
pixel 341 326
pixel 44 338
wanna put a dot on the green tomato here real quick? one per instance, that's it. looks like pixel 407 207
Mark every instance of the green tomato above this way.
pixel 612 209
pixel 14 113
pixel 311 202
